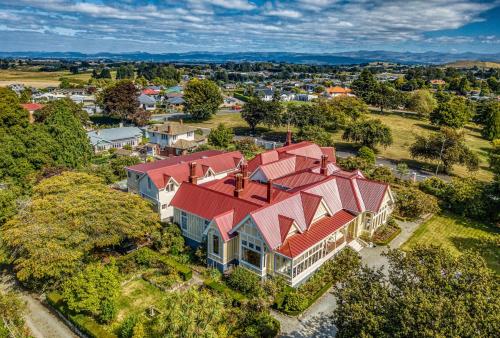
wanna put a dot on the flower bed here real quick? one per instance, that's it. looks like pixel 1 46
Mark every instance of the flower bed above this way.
pixel 386 233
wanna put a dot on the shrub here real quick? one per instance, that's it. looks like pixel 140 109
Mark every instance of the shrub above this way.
pixel 295 301
pixel 434 186
pixel 386 233
pixel 264 325
pixel 127 327
pixel 367 154
pixel 108 311
pixel 245 281
pixel 382 174
pixel 352 163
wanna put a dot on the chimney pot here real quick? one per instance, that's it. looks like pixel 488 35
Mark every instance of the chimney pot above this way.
pixel 269 191
pixel 169 129
pixel 323 169
pixel 192 173
pixel 244 173
pixel 238 185
pixel 288 138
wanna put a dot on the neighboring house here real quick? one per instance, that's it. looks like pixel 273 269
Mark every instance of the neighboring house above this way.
pixel 437 83
pixel 175 138
pixel 147 102
pixel 32 108
pixel 159 181
pixel 287 212
pixel 115 138
pixel 305 97
pixel 265 94
pixel 338 91
pixel 176 102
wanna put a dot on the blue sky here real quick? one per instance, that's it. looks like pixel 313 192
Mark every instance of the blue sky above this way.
pixel 318 26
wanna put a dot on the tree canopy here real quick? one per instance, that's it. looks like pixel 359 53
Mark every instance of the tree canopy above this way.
pixel 422 102
pixel 488 114
pixel 427 293
pixel 120 100
pixel 202 98
pixel 12 322
pixel 454 113
pixel 447 147
pixel 220 137
pixel 369 133
pixel 70 216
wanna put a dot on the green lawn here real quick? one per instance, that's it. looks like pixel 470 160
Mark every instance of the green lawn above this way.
pixel 458 234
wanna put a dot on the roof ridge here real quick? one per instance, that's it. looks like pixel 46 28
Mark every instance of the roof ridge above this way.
pixel 222 194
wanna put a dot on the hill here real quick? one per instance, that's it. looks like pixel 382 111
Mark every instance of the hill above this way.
pixel 471 64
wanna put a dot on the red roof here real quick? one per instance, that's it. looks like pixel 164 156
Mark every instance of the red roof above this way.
pixel 298 243
pixel 150 91
pixel 299 179
pixel 32 106
pixel 144 167
pixel 338 90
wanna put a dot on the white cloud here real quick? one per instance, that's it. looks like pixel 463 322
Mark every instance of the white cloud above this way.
pixel 286 13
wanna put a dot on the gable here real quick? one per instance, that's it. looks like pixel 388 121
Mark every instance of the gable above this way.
pixel 320 211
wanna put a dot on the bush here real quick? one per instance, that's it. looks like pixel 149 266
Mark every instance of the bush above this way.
pixel 127 327
pixel 241 97
pixel 434 186
pixel 295 301
pixel 108 311
pixel 263 325
pixel 352 163
pixel 223 289
pixel 245 281
pixel 367 154
pixel 381 174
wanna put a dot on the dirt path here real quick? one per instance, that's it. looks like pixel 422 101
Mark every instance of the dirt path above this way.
pixel 39 319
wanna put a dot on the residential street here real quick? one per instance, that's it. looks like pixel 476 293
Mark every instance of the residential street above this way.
pixel 316 321
pixel 39 319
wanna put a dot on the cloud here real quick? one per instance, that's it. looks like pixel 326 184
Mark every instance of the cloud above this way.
pixel 301 25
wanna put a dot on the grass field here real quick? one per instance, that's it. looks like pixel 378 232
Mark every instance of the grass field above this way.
pixel 37 79
pixel 458 234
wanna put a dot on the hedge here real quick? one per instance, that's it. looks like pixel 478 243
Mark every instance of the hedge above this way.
pixel 241 97
pixel 220 287
pixel 84 324
pixel 184 271
pixel 280 298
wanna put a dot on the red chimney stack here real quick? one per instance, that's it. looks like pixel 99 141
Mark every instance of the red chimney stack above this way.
pixel 244 174
pixel 169 129
pixel 323 169
pixel 288 138
pixel 192 173
pixel 238 185
pixel 269 191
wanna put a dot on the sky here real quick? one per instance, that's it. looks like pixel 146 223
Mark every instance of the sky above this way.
pixel 312 26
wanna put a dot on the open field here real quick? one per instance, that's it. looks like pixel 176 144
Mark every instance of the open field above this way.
pixel 37 79
pixel 458 234
pixel 404 129
pixel 472 64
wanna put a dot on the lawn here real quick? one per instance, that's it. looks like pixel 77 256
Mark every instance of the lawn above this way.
pixel 404 129
pixel 37 79
pixel 458 234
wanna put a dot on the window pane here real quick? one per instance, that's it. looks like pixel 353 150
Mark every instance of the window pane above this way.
pixel 251 257
pixel 215 244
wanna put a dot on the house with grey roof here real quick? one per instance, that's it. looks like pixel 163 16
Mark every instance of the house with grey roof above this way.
pixel 115 138
pixel 147 102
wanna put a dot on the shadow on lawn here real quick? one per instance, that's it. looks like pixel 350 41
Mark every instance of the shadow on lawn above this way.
pixel 488 248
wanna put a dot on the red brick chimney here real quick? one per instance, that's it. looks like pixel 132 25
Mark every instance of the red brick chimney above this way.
pixel 238 185
pixel 244 174
pixel 323 169
pixel 269 191
pixel 192 173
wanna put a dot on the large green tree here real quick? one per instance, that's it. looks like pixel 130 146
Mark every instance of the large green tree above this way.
pixel 422 102
pixel 428 293
pixel 453 113
pixel 350 106
pixel 365 86
pixel 488 114
pixel 369 133
pixel 316 134
pixel 254 112
pixel 221 136
pixel 202 98
pixel 447 147
pixel 69 217
pixel 120 100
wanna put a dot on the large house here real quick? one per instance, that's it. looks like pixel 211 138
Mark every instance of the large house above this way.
pixel 115 138
pixel 284 213
pixel 175 138
pixel 159 181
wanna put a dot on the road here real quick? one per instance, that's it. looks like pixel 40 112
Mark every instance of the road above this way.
pixel 39 319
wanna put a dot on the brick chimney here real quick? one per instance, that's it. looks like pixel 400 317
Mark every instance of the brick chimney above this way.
pixel 269 191
pixel 238 185
pixel 288 138
pixel 323 169
pixel 244 174
pixel 169 129
pixel 192 173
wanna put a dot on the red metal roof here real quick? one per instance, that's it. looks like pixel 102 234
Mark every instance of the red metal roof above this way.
pixel 285 225
pixel 298 180
pixel 32 106
pixel 298 243
pixel 150 91
pixel 372 193
pixel 143 167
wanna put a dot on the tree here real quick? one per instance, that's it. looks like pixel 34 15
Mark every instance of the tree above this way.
pixel 141 117
pixel 125 72
pixel 367 154
pixel 494 158
pixel 65 104
pixel 369 133
pixel 447 147
pixel 11 113
pixel 402 169
pixel 350 106
pixel 385 97
pixel 381 174
pixel 428 293
pixel 120 100
pixel 93 291
pixel 488 114
pixel 191 313
pixel 12 310
pixel 254 112
pixel 412 203
pixel 220 137
pixel 454 113
pixel 365 86
pixel 315 134
pixel 53 236
pixel 25 95
pixel 170 241
pixel 422 102
pixel 202 98
pixel 247 147
pixel 466 196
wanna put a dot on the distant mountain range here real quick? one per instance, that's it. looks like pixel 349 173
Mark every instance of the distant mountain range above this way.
pixel 342 58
